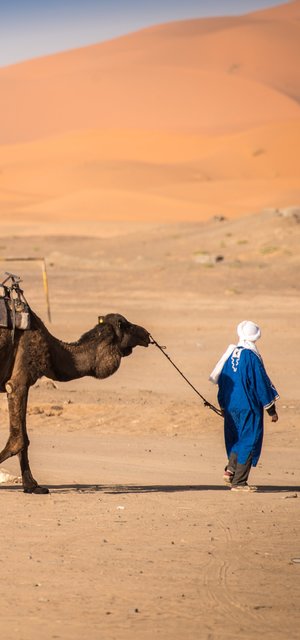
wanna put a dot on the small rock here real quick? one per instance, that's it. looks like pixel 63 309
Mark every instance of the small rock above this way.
pixel 36 410
pixel 219 218
pixel 289 212
pixel 5 476
pixel 207 259
pixel 49 384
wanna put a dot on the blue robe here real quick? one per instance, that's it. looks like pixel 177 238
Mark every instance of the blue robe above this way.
pixel 244 391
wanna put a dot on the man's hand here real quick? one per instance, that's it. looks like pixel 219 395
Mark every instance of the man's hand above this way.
pixel 272 412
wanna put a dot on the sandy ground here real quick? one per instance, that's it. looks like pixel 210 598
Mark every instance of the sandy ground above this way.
pixel 139 537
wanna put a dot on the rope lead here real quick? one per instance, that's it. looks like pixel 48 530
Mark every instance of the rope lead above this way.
pixel 206 403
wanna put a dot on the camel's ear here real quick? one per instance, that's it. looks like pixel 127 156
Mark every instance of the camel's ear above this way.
pixel 100 319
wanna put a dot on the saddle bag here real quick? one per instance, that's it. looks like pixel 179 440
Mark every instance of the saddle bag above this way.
pixel 3 313
pixel 14 310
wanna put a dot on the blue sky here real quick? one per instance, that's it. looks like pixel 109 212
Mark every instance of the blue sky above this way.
pixel 30 28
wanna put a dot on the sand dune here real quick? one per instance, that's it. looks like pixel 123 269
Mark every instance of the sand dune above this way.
pixel 176 121
pixel 101 173
pixel 148 96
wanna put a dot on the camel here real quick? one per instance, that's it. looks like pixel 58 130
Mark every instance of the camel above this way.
pixel 28 355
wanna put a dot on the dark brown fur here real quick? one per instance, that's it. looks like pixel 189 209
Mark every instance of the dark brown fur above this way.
pixel 36 353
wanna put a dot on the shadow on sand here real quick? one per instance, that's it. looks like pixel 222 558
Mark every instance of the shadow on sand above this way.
pixel 115 489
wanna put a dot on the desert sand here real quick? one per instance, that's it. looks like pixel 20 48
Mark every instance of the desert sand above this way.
pixel 139 537
pixel 158 176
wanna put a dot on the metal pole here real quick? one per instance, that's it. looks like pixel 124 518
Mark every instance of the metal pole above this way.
pixel 46 288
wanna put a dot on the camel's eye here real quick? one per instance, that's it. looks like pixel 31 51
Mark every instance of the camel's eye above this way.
pixel 122 325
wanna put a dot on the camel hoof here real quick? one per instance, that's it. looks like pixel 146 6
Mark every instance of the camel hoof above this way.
pixel 37 489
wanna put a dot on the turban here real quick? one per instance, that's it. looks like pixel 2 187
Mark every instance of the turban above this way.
pixel 248 331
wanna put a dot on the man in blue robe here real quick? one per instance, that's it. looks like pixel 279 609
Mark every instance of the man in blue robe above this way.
pixel 245 390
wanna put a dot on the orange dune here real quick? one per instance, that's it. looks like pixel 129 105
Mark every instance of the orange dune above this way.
pixel 101 172
pixel 179 121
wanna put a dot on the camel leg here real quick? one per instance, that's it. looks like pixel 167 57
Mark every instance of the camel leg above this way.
pixel 17 403
pixel 30 485
pixel 18 441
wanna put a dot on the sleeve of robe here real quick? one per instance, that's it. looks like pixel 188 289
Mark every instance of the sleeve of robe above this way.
pixel 263 388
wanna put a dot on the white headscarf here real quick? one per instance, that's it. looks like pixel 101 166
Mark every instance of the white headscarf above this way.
pixel 248 332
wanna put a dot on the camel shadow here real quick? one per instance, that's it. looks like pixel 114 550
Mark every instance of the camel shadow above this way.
pixel 117 489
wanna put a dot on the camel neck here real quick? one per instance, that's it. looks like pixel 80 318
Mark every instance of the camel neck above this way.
pixel 70 361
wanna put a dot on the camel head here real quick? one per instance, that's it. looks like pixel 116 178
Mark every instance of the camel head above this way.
pixel 126 335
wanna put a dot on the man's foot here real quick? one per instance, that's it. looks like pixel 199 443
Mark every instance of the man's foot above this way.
pixel 228 476
pixel 243 488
